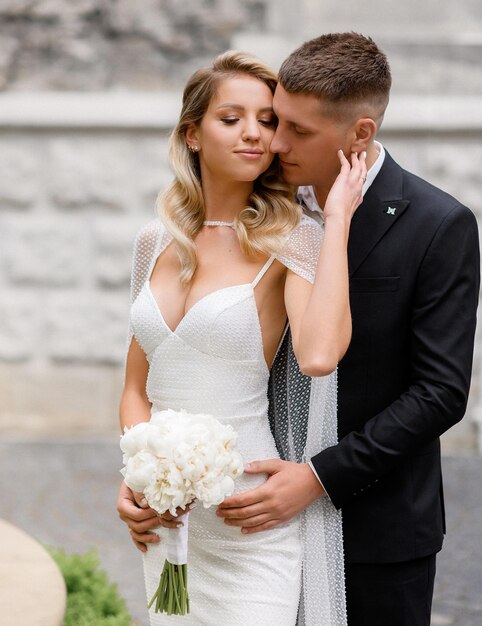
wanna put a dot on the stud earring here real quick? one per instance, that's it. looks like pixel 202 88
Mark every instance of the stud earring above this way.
pixel 193 148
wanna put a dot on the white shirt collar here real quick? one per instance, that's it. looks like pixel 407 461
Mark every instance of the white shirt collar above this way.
pixel 307 194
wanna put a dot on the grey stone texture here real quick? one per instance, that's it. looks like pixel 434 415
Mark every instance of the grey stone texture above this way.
pixel 80 170
pixel 108 44
pixel 66 254
pixel 104 44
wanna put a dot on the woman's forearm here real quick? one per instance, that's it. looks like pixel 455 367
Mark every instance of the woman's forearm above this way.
pixel 325 329
pixel 134 408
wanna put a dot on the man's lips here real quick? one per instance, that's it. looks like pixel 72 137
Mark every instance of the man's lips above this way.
pixel 286 164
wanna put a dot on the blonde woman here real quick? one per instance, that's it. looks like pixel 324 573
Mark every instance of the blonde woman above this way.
pixel 216 278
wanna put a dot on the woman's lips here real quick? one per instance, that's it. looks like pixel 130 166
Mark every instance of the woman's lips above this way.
pixel 250 154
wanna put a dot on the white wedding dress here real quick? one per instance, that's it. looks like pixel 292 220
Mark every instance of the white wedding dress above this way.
pixel 213 362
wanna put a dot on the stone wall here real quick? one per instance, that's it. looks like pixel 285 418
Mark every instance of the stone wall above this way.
pixel 72 198
pixel 99 45
pixel 86 109
pixel 71 205
pixel 114 44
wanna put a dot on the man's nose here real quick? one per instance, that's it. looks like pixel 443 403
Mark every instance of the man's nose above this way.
pixel 278 144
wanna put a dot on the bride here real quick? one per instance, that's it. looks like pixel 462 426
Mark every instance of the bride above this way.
pixel 216 277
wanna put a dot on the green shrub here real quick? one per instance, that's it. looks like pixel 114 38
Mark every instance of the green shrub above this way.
pixel 91 599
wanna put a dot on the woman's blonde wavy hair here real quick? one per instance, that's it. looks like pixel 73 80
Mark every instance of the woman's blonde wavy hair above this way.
pixel 272 213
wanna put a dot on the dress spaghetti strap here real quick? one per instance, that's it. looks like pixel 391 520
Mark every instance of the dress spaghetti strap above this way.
pixel 263 271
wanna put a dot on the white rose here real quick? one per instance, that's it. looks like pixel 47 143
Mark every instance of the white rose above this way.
pixel 139 470
pixel 134 439
pixel 178 456
pixel 215 494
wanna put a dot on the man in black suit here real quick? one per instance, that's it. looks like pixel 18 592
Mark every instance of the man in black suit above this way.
pixel 414 280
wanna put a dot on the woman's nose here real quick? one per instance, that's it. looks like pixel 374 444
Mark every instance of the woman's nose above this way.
pixel 251 129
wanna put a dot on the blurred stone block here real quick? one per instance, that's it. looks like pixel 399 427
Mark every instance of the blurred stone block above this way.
pixel 89 173
pixel 86 327
pixel 45 250
pixel 113 247
pixel 20 177
pixel 21 323
pixel 59 400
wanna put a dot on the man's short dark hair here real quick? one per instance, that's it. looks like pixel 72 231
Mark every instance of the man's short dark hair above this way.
pixel 340 69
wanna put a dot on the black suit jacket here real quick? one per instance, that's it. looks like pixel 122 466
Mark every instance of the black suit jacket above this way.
pixel 414 280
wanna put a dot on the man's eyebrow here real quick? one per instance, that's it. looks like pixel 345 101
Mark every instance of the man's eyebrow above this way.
pixel 290 122
pixel 297 124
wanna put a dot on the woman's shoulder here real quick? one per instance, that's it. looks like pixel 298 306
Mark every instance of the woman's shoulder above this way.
pixel 149 233
pixel 151 237
pixel 307 226
pixel 305 236
pixel 302 248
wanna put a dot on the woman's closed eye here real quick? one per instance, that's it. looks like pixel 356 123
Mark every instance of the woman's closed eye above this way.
pixel 271 122
pixel 265 122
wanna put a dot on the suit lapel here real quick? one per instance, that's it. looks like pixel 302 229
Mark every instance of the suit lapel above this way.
pixel 382 206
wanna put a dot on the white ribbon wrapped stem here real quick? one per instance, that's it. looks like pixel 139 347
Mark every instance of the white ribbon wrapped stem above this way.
pixel 176 543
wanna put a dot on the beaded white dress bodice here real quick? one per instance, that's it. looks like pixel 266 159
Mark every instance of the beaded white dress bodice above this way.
pixel 213 362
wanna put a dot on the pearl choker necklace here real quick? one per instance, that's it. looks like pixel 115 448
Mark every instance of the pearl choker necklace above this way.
pixel 218 223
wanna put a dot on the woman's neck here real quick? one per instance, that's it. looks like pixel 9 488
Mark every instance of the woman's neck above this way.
pixel 224 201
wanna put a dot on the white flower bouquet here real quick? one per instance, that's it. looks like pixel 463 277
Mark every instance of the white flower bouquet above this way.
pixel 173 459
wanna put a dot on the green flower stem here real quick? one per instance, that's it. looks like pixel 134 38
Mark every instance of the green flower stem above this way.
pixel 177 591
pixel 171 595
pixel 182 587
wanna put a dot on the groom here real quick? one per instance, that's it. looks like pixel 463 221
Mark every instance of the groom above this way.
pixel 414 280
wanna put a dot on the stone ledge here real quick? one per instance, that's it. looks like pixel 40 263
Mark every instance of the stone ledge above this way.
pixel 71 110
pixel 158 112
pixel 420 114
pixel 33 591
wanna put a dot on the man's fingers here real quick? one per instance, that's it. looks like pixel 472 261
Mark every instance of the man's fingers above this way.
pixel 244 499
pixel 268 466
pixel 257 529
pixel 242 513
pixel 256 520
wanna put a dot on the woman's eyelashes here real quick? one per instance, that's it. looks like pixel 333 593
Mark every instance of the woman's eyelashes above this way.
pixel 270 122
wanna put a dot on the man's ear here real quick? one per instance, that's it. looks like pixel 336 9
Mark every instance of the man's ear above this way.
pixel 365 131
